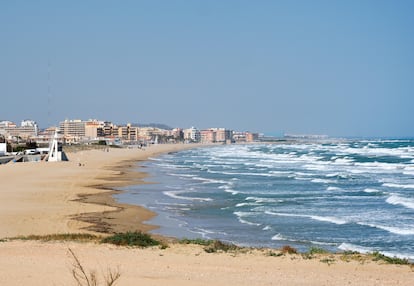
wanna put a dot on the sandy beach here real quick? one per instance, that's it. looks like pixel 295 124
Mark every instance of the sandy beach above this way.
pixel 75 197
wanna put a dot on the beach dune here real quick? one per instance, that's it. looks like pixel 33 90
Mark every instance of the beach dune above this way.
pixel 75 197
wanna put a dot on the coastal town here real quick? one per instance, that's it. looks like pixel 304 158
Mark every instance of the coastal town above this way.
pixel 27 135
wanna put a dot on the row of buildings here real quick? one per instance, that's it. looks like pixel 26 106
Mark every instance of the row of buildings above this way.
pixel 84 131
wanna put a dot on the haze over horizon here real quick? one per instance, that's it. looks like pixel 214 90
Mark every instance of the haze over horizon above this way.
pixel 340 68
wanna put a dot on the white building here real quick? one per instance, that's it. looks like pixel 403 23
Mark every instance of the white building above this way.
pixel 31 124
pixel 192 134
pixel 3 149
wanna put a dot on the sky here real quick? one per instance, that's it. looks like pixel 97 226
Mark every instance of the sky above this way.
pixel 339 68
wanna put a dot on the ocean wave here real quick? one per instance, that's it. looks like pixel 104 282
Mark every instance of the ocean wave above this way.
pixel 239 205
pixel 391 229
pixel 264 200
pixel 331 189
pixel 280 237
pixel 353 247
pixel 369 190
pixel 231 191
pixel 329 219
pixel 322 181
pixel 398 186
pixel 267 227
pixel 176 195
pixel 241 215
pixel 364 250
pixel 397 200
pixel 343 161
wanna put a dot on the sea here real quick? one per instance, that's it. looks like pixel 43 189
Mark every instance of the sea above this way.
pixel 355 195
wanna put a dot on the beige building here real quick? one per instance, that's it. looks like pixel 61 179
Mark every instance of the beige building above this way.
pixel 208 136
pixel 28 129
pixel 94 129
pixel 128 132
pixel 72 128
pixel 216 135
pixel 252 137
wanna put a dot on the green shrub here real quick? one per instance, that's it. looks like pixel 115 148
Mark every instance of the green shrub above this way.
pixel 274 254
pixel 317 250
pixel 391 260
pixel 328 260
pixel 131 239
pixel 198 241
pixel 61 237
pixel 217 245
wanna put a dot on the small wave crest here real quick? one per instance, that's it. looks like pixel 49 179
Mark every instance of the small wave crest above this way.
pixel 397 200
pixel 391 229
pixel 264 200
pixel 314 217
pixel 176 195
pixel 368 190
pixel 353 247
pixel 242 215
pixel 398 186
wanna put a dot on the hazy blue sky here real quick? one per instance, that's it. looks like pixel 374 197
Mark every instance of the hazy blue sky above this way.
pixel 342 68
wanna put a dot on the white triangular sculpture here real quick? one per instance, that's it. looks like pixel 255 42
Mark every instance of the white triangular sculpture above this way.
pixel 54 154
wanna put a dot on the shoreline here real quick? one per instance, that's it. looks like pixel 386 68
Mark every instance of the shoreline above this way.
pixel 124 217
pixel 74 196
pixel 63 197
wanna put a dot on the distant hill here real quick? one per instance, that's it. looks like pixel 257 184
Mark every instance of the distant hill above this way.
pixel 156 125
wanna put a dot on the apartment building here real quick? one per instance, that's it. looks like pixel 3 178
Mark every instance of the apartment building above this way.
pixel 208 136
pixel 72 128
pixel 216 135
pixel 252 137
pixel 94 129
pixel 128 132
pixel 27 129
pixel 192 134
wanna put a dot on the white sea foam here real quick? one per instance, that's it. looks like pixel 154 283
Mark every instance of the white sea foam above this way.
pixel 391 229
pixel 322 181
pixel 314 167
pixel 369 190
pixel 241 215
pixel 343 161
pixel 398 255
pixel 176 195
pixel 398 200
pixel 264 200
pixel 353 247
pixel 245 204
pixel 231 191
pixel 329 219
pixel 279 237
pixel 398 186
pixel 331 189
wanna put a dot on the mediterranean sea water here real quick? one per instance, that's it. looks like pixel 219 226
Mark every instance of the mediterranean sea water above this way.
pixel 347 195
